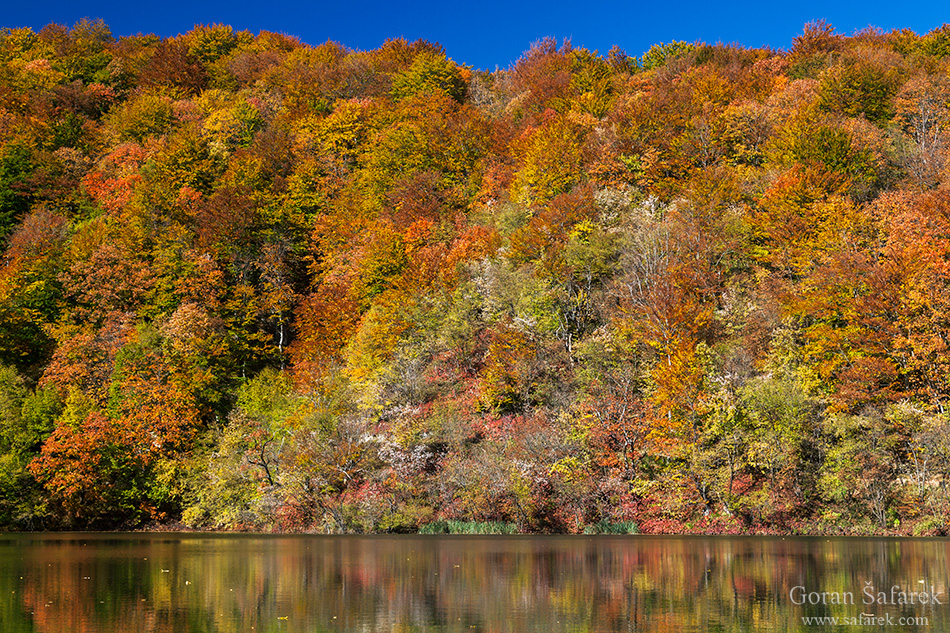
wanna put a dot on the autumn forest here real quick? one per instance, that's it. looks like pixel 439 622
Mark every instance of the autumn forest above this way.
pixel 253 284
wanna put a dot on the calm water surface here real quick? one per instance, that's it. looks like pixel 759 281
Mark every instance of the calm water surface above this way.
pixel 238 583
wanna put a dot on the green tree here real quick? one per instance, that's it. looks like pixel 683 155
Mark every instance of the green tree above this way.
pixel 429 73
pixel 16 167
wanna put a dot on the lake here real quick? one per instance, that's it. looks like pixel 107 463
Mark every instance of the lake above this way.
pixel 131 583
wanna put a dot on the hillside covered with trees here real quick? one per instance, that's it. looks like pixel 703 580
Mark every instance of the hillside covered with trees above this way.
pixel 249 283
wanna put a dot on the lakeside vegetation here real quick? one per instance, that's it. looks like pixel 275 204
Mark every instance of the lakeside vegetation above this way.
pixel 249 283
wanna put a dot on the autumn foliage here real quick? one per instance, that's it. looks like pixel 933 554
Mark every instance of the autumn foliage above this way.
pixel 249 283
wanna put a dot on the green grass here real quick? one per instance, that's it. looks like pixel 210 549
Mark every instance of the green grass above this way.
pixel 498 527
pixel 604 527
pixel 468 527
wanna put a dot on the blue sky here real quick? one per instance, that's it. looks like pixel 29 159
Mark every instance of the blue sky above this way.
pixel 495 32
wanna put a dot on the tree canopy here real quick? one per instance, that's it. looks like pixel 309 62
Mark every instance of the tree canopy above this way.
pixel 249 283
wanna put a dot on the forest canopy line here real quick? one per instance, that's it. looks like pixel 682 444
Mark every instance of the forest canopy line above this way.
pixel 249 283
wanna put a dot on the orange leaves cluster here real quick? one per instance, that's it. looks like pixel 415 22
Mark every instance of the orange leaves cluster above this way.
pixel 100 459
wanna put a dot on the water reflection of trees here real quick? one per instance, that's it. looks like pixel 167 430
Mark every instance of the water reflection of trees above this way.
pixel 195 583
